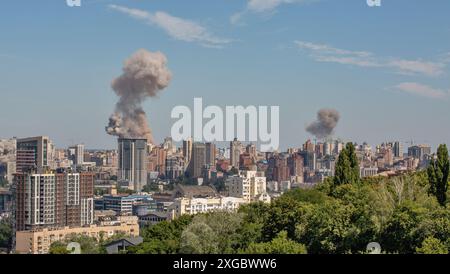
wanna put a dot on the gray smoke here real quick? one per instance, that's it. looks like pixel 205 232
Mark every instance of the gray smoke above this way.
pixel 323 127
pixel 144 75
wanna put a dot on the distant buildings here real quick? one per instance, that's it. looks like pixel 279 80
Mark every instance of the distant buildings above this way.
pixel 174 167
pixel 123 204
pixel 419 151
pixel 132 157
pixel 235 152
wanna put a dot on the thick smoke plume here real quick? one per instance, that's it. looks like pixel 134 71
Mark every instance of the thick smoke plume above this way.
pixel 144 75
pixel 323 127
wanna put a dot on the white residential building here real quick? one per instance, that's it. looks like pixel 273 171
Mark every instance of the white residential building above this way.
pixel 191 206
pixel 249 185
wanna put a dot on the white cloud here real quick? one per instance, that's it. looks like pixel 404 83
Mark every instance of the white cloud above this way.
pixel 326 53
pixel 175 27
pixel 422 90
pixel 266 5
pixel 418 67
pixel 263 6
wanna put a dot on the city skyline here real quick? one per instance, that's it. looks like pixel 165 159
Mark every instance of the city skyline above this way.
pixel 387 85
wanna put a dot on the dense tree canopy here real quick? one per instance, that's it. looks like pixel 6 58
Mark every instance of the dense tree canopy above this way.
pixel 399 213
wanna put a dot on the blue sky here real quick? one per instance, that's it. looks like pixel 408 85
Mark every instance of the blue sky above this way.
pixel 386 69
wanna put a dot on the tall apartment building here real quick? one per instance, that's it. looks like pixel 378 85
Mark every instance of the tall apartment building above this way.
pixel 157 160
pixel 132 167
pixel 398 150
pixel 53 200
pixel 279 169
pixel 34 153
pixel 198 160
pixel 235 152
pixel 79 155
pixel 309 160
pixel 210 154
pixel 187 150
pixel 309 146
pixel 295 163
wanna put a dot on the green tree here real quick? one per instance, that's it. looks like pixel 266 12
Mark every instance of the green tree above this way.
pixel 399 235
pixel 347 167
pixel 151 187
pixel 3 182
pixel 199 238
pixel 438 171
pixel 58 248
pixel 6 234
pixel 162 238
pixel 284 214
pixel 279 245
pixel 432 245
pixel 212 233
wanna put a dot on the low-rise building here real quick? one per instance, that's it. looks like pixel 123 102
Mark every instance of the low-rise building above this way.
pixel 38 241
pixel 182 206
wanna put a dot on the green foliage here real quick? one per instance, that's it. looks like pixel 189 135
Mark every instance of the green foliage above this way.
pixel 162 238
pixel 400 235
pixel 432 245
pixel 6 233
pixel 121 190
pixel 438 171
pixel 3 182
pixel 312 196
pixel 335 227
pixel 150 188
pixel 283 215
pixel 347 167
pixel 279 245
pixel 214 233
pixel 332 218
pixel 89 245
pixel 58 248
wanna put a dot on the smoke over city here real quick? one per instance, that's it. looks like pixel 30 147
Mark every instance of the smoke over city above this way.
pixel 144 75
pixel 323 127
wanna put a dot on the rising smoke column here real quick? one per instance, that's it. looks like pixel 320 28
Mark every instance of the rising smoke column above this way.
pixel 144 75
pixel 323 127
